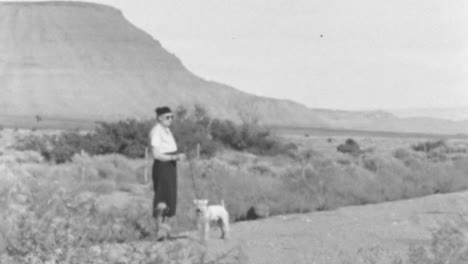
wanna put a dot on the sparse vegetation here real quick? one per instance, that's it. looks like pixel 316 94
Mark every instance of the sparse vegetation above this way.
pixel 428 146
pixel 448 245
pixel 248 137
pixel 69 215
pixel 130 137
pixel 69 202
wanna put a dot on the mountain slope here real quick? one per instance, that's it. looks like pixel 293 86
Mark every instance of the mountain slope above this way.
pixel 455 113
pixel 86 61
pixel 385 121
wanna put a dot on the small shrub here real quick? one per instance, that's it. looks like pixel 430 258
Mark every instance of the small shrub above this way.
pixel 448 245
pixel 410 158
pixel 401 154
pixel 129 138
pixel 248 137
pixel 189 134
pixel 429 146
pixel 371 164
pixel 349 147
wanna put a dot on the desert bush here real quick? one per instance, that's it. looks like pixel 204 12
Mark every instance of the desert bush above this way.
pixel 53 239
pixel 56 148
pixel 349 147
pixel 410 158
pixel 448 244
pixel 130 138
pixel 127 137
pixel 248 137
pixel 371 164
pixel 429 146
pixel 190 134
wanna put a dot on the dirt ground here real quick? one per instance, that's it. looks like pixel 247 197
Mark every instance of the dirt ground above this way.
pixel 330 237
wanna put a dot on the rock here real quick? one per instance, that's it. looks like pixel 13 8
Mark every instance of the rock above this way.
pixel 123 260
pixel 115 253
pixel 3 244
pixel 258 211
pixel 84 197
pixel 95 251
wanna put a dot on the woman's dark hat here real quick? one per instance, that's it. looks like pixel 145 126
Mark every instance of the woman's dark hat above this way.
pixel 162 110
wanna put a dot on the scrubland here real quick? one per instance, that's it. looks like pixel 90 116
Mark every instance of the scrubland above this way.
pixel 96 208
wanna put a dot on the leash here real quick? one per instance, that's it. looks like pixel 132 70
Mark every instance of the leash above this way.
pixel 192 175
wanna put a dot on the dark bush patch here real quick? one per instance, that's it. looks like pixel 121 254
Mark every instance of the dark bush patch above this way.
pixel 249 137
pixel 193 132
pixel 258 211
pixel 370 164
pixel 349 147
pixel 429 146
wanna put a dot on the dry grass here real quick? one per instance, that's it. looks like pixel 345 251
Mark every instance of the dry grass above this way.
pixel 448 245
pixel 78 196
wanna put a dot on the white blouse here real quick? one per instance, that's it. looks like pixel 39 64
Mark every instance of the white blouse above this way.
pixel 162 139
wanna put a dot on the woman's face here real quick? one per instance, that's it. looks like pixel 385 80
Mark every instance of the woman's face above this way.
pixel 166 119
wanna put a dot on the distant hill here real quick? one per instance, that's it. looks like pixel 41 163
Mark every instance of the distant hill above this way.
pixel 385 121
pixel 454 113
pixel 85 61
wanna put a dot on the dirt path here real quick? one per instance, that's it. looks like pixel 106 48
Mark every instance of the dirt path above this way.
pixel 319 237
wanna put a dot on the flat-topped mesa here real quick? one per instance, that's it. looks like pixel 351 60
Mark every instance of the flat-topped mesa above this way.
pixel 78 60
pixel 63 35
pixel 83 60
pixel 59 3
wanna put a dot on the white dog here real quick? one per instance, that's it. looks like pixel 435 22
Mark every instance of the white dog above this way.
pixel 206 214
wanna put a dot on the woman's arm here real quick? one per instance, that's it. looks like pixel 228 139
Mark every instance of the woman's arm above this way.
pixel 162 156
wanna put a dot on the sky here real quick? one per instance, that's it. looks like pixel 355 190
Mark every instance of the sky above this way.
pixel 338 54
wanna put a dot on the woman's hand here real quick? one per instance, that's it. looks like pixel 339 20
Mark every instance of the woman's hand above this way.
pixel 181 156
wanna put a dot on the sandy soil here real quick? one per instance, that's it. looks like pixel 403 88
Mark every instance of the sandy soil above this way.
pixel 325 237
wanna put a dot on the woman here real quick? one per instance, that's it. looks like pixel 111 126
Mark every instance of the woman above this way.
pixel 164 150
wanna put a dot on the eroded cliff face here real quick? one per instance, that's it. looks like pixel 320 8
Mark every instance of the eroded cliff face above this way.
pixel 76 59
pixel 86 61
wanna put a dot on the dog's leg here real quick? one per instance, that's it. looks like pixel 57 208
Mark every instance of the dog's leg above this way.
pixel 221 225
pixel 201 230
pixel 206 233
pixel 225 223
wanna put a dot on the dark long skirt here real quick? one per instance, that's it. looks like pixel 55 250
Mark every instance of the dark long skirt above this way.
pixel 165 186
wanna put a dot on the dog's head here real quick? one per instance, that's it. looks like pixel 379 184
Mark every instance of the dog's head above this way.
pixel 200 206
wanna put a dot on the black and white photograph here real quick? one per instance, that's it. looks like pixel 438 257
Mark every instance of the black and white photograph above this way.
pixel 234 132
